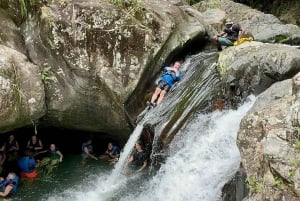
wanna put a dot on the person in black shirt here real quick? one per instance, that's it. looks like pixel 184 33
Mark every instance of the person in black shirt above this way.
pixel 12 148
pixel 138 160
pixel 229 35
pixel 34 144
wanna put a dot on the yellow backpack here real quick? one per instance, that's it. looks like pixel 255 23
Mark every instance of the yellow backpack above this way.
pixel 242 40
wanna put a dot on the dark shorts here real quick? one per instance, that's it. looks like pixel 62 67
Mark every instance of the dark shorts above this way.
pixel 163 85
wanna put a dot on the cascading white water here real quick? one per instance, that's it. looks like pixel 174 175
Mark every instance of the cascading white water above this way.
pixel 202 158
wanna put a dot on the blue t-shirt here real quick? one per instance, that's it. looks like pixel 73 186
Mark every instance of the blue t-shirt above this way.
pixel 115 150
pixel 89 147
pixel 170 77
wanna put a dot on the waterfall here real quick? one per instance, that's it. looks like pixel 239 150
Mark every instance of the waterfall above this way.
pixel 202 157
pixel 117 172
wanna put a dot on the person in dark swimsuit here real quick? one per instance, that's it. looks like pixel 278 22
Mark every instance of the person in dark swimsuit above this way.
pixel 138 159
pixel 35 144
pixel 12 148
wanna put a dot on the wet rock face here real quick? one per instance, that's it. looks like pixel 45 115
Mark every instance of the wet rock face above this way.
pixel 92 55
pixel 236 189
pixel 15 9
pixel 268 141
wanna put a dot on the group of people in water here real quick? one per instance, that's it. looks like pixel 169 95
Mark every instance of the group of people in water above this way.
pixel 34 155
pixel 137 161
pixel 24 166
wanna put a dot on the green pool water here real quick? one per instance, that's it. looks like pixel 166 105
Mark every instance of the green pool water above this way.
pixel 71 172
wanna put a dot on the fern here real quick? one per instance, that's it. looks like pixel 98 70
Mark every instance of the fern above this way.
pixel 45 75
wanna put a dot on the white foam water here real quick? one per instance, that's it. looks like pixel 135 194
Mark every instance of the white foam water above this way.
pixel 203 157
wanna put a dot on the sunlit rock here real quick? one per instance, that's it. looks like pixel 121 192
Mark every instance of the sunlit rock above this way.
pixel 253 66
pixel 269 144
pixel 264 27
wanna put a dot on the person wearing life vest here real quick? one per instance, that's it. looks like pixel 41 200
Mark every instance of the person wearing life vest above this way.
pixel 229 35
pixel 53 153
pixel 28 165
pixel 171 75
pixel 9 186
pixel 87 150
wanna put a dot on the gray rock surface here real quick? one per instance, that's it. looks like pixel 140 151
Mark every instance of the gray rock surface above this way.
pixel 264 27
pixel 21 89
pixel 269 143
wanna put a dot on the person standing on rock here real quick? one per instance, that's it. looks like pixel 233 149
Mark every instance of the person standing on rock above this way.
pixel 229 35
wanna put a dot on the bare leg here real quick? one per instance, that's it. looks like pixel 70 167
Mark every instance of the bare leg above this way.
pixel 215 40
pixel 216 43
pixel 161 96
pixel 155 94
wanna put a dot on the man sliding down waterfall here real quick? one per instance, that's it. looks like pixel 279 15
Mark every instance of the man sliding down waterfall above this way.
pixel 171 75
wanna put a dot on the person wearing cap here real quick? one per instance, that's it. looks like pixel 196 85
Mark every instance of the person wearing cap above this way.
pixel 231 33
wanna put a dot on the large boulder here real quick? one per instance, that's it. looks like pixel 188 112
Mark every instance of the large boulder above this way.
pixel 179 2
pixel 253 66
pixel 17 10
pixel 264 27
pixel 95 54
pixel 22 97
pixel 268 140
pixel 10 34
